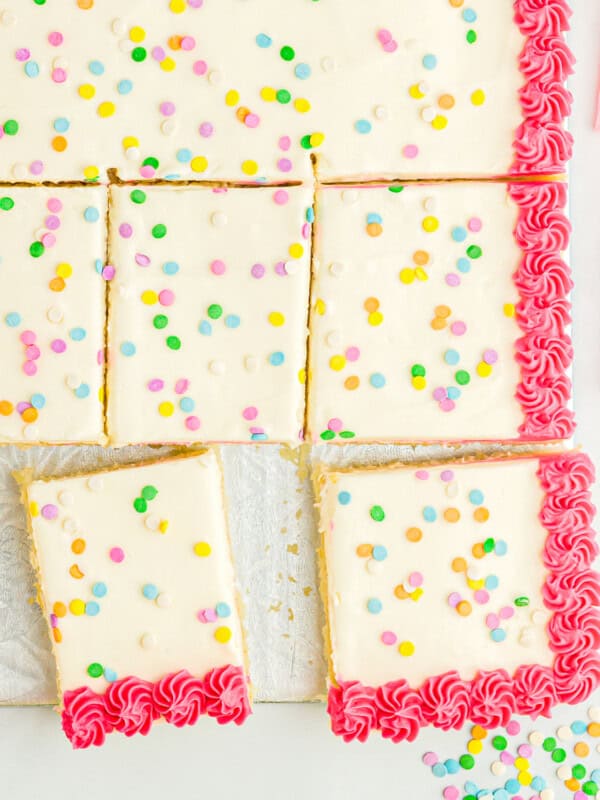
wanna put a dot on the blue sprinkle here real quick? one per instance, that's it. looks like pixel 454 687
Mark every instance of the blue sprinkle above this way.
pixel 471 787
pixel 538 783
pixel 110 676
pixel 374 606
pixel 373 217
pixel 362 126
pixel 429 514
pixel 124 86
pixel 82 391
pixel 453 392
pixel 61 125
pixel 173 176
pixel 128 348
pixel 259 437
pixel 512 785
pixel 500 548
pixel 344 498
pixel 184 155
pixel 476 497
pixel 377 380
pixel 302 71
pixel 578 727
pixel 262 40
pixel 12 319
pixel 595 775
pixel 463 265
pixel 170 268
pixel 92 608
pixel 38 400
pixel 222 610
pixel 205 328
pixel 502 794
pixel 310 214
pixel 99 589
pixel 232 321
pixel 96 67
pixel 491 582
pixel 439 770
pixel 91 214
pixel 98 266
pixel 77 334
pixel 498 635
pixel 150 591
pixel 459 234
pixel 429 61
pixel 451 357
pixel 32 69
pixel 379 552
pixel 452 766
pixel 187 404
pixel 469 15
pixel 276 359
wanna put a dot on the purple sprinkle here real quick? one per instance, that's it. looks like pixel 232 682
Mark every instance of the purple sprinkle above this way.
pixel 142 260
pixel 22 406
pixel 490 356
pixel 452 279
pixel 53 621
pixel 439 393
pixel 156 385
pixel 454 599
pixel 280 268
pixel 206 130
pixel 52 222
pixel 49 511
pixel 257 271
pixel 125 230
pixel 447 475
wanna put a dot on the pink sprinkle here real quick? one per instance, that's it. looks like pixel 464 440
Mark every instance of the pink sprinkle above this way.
pixel 48 240
pixel 525 750
pixel 458 328
pixel 158 53
pixel 249 413
pixel 481 596
pixel 36 167
pixel 32 352
pixel 100 357
pixel 59 75
pixel 422 475
pixel 306 230
pixel 252 120
pixel 207 615
pixel 454 599
pixel 206 130
pixel 167 108
pixel 506 758
pixel 199 67
pixel 195 3
pixel 415 579
pixel 29 368
pixel 142 260
pixel 335 425
pixel 490 356
pixel 284 143
pixel 352 353
pixel 28 337
pixel 450 793
pixel 257 271
pixel 410 151
pixel 125 230
pixel 389 637
pixel 280 269
pixel 452 279
pixel 22 406
pixel 22 54
pixel 166 297
pixel 256 429
pixel 475 224
pixel 447 475
pixel 147 171
pixel 284 165
pixel 182 385
pixel 192 423
pixel 156 385
pixel 384 35
pixel 281 197
pixel 58 345
pixel 439 393
pixel 188 43
pixel 53 621
pixel 447 404
pixel 52 222
pixel 513 727
pixel 49 511
pixel 217 267
pixel 506 612
pixel 108 272
pixel 391 47
pixel 116 554
pixel 492 621
pixel 55 205
pixel 430 758
pixel 55 38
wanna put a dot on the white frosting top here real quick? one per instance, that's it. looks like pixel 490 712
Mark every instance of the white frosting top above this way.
pixel 52 249
pixel 249 89
pixel 208 314
pixel 378 634
pixel 124 585
pixel 409 303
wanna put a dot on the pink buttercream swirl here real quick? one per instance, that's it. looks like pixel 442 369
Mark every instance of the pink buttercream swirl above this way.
pixel 399 711
pixel 131 705
pixel 492 700
pixel 542 145
pixel 544 352
pixel 352 708
pixel 534 690
pixel 445 701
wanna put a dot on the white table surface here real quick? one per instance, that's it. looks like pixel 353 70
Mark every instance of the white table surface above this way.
pixel 287 750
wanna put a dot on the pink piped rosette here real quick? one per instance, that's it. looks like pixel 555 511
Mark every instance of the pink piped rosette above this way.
pixel 571 593
pixel 131 705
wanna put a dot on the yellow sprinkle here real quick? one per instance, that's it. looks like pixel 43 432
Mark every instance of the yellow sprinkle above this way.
pixel 34 509
pixel 484 370
pixel 375 318
pixel 337 363
pixel 301 105
pixel 177 6
pixel 87 91
pixel 419 383
pixel 149 297
pixel 91 173
pixel 406 648
pixel 202 549
pixel 199 164
pixel 137 34
pixel 223 634
pixel 522 764
pixel 163 525
pixel 475 746
pixel 475 585
pixel 524 778
pixel 509 310
pixel 302 376
pixel 317 139
pixel 420 274
pixel 416 595
pixel 101 394
pixel 415 92
pixel 407 275
pixel 106 109
pixel 320 307
pixel 130 141
pixel 478 97
pixel 166 409
pixel 77 607
pixel 276 319
pixel 296 250
pixel 268 94
pixel 168 64
pixel 64 270
pixel 430 224
pixel 249 167
pixel 232 98
pixel 439 122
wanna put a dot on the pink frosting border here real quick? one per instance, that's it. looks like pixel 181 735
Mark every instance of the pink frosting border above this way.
pixel 571 592
pixel 544 351
pixel 131 705
pixel 542 144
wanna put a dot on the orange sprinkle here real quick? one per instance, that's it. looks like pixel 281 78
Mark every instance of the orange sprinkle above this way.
pixel 420 257
pixel 582 749
pixel 572 784
pixel 29 415
pixel 478 550
pixel 364 550
pixel 374 229
pixel 78 546
pixel 438 323
pixel 414 534
pixel 351 383
pixel 59 609
pixel 241 113
pixel 85 5
pixel 371 304
pixel 477 732
pixel 57 284
pixel 446 101
pixel 452 515
pixel 594 729
pixel 481 514
pixel 459 565
pixel 59 143
pixel 75 572
pixel 174 42
pixel 442 311
pixel 57 635
pixel 464 608
pixel 456 3
pixel 6 408
pixel 401 592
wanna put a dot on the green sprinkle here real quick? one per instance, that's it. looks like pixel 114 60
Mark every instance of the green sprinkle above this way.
pixel 159 231
pixel 549 744
pixel 590 787
pixel 305 142
pixel 139 54
pixel 327 436
pixel 467 761
pixel 215 311
pixel 395 189
pixel 151 162
pixel 377 513
pixel 283 96
pixel 36 249
pixel 173 342
pixel 6 203
pixel 11 127
pixel 521 602
pixel 474 251
pixel 558 755
pixel 347 434
pixel 578 771
pixel 149 492
pixel 499 743
pixel 469 797
pixel 95 670
pixel 488 545
pixel 140 505
pixel 160 321
pixel 418 371
pixel 471 37
pixel 462 377
pixel 137 196
pixel 287 53
pixel 40 2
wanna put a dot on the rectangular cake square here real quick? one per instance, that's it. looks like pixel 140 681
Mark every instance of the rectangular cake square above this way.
pixel 440 312
pixel 137 583
pixel 52 314
pixel 208 313
pixel 241 91
pixel 458 591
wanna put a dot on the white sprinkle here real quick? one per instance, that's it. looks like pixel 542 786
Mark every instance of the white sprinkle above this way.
pixel 328 64
pixel 451 489
pixel 132 153
pixel 498 768
pixel 118 27
pixel 333 339
pixel 70 525
pixel 214 77
pixel 7 18
pixel 251 363
pixel 429 204
pixel 66 498
pixel 60 62
pixel 54 314
pixel 563 773
pixel 152 521
pixel 292 267
pixel 594 714
pixel 217 367
pixel 564 732
pixel 125 46
pixel 19 171
pixel 167 126
pixel 31 433
pixel 73 381
pixel 218 219
pixel 536 738
pixel 525 637
pixel 380 112
pixel 428 114
pixel 538 617
pixel 164 600
pixel 337 269
pixel 547 794
pixel 95 483
pixel 349 196
pixel 374 567
pixel 148 641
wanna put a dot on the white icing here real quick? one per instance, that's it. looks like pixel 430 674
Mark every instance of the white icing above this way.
pixel 128 624
pixel 52 315
pixel 229 371
pixel 443 639
pixel 487 407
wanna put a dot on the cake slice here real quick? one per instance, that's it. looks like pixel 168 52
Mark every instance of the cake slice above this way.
pixel 440 312
pixel 137 584
pixel 458 591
